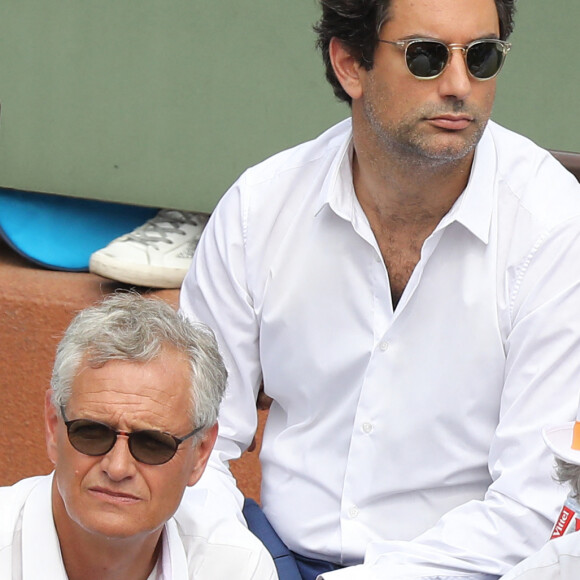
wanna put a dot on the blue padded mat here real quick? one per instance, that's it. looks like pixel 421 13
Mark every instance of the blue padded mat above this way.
pixel 61 233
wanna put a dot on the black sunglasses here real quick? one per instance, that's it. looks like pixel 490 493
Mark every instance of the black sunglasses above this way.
pixel 147 446
pixel 427 59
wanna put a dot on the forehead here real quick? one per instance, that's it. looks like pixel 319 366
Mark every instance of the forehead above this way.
pixel 154 393
pixel 449 20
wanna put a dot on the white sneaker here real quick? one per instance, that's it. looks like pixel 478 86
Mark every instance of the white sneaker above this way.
pixel 156 254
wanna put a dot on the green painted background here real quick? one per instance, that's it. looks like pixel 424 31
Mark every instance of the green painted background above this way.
pixel 165 102
pixel 539 88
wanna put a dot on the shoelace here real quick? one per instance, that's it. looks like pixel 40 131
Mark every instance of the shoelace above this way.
pixel 165 223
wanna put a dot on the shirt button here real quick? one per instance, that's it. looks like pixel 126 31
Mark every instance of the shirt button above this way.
pixel 367 427
pixel 353 512
pixel 384 345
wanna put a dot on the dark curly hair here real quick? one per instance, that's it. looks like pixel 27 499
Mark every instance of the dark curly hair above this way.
pixel 357 23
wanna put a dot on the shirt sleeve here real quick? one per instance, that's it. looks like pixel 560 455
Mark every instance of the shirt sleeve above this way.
pixel 484 539
pixel 214 291
pixel 559 558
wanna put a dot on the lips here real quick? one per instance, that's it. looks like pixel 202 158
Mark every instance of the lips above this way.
pixel 112 495
pixel 451 122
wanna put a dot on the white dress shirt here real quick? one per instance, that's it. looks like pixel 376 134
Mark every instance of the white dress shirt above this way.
pixel 409 439
pixel 558 560
pixel 193 545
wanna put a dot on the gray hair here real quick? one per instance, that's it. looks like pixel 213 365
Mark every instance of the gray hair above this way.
pixel 129 327
pixel 569 473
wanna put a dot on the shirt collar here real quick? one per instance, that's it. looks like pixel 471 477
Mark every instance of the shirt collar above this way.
pixel 40 546
pixel 473 208
pixel 162 569
pixel 337 190
pixel 172 563
pixel 174 558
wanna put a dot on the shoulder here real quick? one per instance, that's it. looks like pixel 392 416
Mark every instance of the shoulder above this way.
pixel 222 549
pixel 267 199
pixel 559 558
pixel 288 176
pixel 317 150
pixel 12 501
pixel 533 177
pixel 13 498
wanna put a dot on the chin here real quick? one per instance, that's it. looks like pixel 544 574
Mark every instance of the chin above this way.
pixel 447 150
pixel 116 528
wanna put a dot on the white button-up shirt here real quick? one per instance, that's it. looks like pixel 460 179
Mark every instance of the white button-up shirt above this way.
pixel 408 439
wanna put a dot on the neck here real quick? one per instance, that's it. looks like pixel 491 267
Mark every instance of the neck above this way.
pixel 90 556
pixel 399 187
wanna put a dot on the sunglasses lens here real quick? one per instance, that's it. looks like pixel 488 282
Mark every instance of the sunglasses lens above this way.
pixel 426 59
pixel 152 447
pixel 90 437
pixel 485 59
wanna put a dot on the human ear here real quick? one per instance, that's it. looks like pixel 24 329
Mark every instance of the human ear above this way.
pixel 50 425
pixel 346 68
pixel 203 451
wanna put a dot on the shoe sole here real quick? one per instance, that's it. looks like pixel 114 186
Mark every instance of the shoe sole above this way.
pixel 131 273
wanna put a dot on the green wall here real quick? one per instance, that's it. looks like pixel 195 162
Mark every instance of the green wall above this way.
pixel 165 102
pixel 539 88
pixel 154 102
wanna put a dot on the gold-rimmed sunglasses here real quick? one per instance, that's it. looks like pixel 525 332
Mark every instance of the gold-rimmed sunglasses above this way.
pixel 427 58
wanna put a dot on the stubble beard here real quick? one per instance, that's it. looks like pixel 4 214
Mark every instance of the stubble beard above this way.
pixel 408 144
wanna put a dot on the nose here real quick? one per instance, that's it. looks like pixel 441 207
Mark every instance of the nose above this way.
pixel 118 463
pixel 455 80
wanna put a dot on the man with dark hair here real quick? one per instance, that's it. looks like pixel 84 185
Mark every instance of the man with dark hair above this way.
pixel 405 287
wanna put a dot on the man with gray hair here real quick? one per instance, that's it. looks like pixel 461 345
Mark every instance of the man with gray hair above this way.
pixel 131 418
pixel 559 558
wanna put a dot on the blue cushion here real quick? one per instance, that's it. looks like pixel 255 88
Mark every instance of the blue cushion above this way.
pixel 60 232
